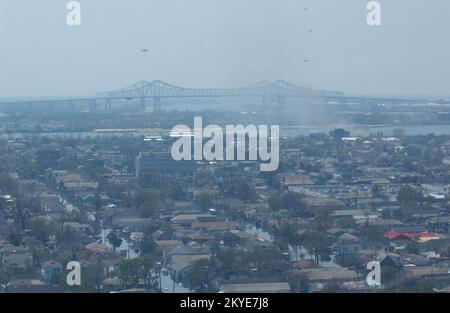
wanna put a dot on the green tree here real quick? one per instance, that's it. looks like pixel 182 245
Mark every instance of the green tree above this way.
pixel 351 260
pixel 418 286
pixel 294 203
pixel 4 277
pixel 372 233
pixel 389 274
pixel 128 272
pixel 143 268
pixel 97 202
pixel 147 204
pixel 244 190
pixel 177 192
pixel 410 200
pixel 408 195
pixel 205 201
pixel 413 247
pixel 318 245
pixel 14 238
pixel 298 282
pixel 114 240
pixel 199 277
pixel 148 246
pixel 92 277
pixel 41 229
pixel 149 272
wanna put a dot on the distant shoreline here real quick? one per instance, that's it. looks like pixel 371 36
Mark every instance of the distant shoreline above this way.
pixel 289 130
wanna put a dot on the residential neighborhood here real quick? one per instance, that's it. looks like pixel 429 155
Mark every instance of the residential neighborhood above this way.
pixel 221 155
pixel 336 203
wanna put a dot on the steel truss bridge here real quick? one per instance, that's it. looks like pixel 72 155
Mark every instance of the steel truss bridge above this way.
pixel 269 92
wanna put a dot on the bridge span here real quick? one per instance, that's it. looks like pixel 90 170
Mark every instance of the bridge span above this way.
pixel 269 92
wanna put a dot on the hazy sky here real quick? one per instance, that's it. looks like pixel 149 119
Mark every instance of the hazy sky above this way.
pixel 224 43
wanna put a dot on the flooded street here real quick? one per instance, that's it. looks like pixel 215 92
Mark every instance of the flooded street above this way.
pixel 129 250
pixel 295 253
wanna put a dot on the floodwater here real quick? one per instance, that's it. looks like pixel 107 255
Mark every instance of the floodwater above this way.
pixel 296 253
pixel 128 251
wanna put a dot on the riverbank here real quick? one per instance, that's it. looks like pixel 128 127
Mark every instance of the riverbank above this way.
pixel 285 131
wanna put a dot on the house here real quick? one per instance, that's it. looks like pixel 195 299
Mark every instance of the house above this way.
pixel 187 250
pixel 418 272
pixel 441 223
pixel 415 260
pixel 50 203
pixel 75 226
pixel 325 274
pixel 214 226
pixel 420 237
pixel 51 270
pixel 168 245
pixel 181 264
pixel 339 215
pixel 297 180
pixel 238 237
pixel 257 242
pixel 347 244
pixel 135 224
pixel 322 202
pixel 15 259
pixel 179 207
pixel 277 287
pixel 186 220
pixel 17 262
pixel 200 237
pixel 96 247
pixel 230 239
pixel 305 264
pixel 112 284
pixel 32 285
pixel 392 260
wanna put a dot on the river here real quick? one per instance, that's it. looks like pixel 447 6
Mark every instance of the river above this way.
pixel 285 131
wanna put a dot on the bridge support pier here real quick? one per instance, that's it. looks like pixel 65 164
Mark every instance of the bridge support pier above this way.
pixel 71 105
pixel 4 108
pixel 343 101
pixel 157 104
pixel 108 105
pixel 281 101
pixel 268 101
pixel 92 105
pixel 50 106
pixel 142 104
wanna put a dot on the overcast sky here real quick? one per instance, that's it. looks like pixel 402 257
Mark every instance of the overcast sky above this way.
pixel 224 43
